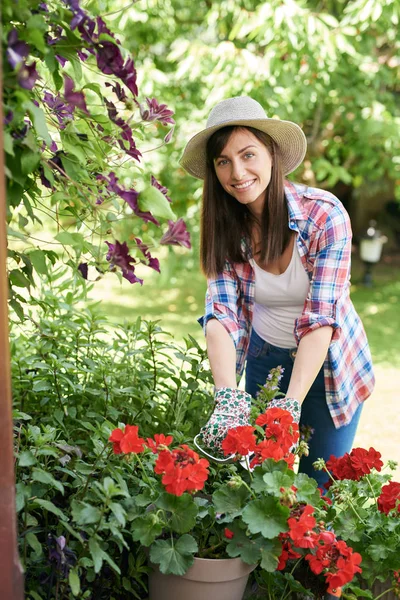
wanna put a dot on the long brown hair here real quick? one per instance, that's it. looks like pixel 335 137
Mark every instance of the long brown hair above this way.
pixel 226 223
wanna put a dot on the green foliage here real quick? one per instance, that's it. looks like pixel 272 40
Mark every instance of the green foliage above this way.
pixel 74 377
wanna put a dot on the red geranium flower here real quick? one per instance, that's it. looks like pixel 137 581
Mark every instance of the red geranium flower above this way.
pixel 288 553
pixel 301 529
pixel 240 440
pixel 115 438
pixel 182 470
pixel 126 441
pixel 159 440
pixel 131 442
pixel 228 533
pixel 389 498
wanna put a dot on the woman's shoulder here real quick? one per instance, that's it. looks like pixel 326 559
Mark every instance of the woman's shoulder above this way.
pixel 314 203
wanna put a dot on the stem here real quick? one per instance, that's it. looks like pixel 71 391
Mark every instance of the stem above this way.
pixel 250 490
pixel 371 488
pixel 284 596
pixel 211 549
pixel 383 593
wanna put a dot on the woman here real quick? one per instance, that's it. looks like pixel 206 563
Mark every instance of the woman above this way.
pixel 277 258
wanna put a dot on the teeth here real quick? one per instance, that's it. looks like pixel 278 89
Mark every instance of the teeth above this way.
pixel 242 186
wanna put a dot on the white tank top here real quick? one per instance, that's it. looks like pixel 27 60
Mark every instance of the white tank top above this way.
pixel 279 301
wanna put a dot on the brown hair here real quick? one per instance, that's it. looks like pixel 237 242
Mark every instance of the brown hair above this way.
pixel 225 223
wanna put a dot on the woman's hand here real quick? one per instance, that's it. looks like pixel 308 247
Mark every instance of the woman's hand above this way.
pixel 292 405
pixel 232 409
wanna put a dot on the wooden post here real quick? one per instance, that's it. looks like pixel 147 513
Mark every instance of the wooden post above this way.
pixel 11 578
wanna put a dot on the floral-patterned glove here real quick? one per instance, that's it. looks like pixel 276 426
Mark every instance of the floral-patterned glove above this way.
pixel 290 404
pixel 232 409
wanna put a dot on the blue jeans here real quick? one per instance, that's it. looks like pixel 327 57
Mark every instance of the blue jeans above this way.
pixel 326 439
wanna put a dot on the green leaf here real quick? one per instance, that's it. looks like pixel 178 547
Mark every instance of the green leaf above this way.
pixel 266 516
pixel 71 239
pixel 174 556
pixel 270 553
pixel 230 501
pixel 26 459
pixel 273 482
pixel 241 545
pixel 34 543
pixel 50 507
pixel 39 121
pixel 74 582
pixel 84 514
pixel 8 143
pixel 18 279
pixel 118 512
pixel 47 478
pixel 146 529
pixel 38 260
pixel 183 508
pixel 154 201
pixel 97 554
pixel 306 489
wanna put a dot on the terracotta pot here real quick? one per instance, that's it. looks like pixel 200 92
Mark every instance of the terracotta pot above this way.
pixel 207 578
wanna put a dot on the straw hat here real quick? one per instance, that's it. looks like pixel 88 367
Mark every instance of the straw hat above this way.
pixel 243 110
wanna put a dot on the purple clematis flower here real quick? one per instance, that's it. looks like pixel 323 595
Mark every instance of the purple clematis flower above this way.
pixel 128 75
pixel 8 117
pixel 118 91
pixel 118 256
pixel 63 112
pixel 83 269
pixel 130 196
pixel 74 99
pixel 60 554
pixel 153 263
pixel 27 76
pixel 160 187
pixel 61 60
pixel 109 58
pixel 156 112
pixel 176 234
pixel 17 51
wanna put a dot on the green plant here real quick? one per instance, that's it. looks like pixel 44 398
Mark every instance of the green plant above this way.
pixel 74 376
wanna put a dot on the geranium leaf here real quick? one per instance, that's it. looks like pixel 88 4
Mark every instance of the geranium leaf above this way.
pixel 241 545
pixel 273 482
pixel 266 516
pixel 174 556
pixel 183 508
pixel 306 489
pixel 146 529
pixel 230 501
pixel 270 552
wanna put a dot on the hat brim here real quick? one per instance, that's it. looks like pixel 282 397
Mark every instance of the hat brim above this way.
pixel 289 137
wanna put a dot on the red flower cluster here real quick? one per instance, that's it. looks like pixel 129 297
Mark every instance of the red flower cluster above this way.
pixel 182 470
pixel 327 555
pixel 240 440
pixel 281 434
pixel 389 497
pixel 228 533
pixel 355 465
pixel 160 440
pixel 127 441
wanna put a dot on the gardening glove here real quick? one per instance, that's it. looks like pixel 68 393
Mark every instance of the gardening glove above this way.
pixel 232 409
pixel 290 404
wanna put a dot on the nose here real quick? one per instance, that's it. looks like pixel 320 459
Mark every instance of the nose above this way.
pixel 237 172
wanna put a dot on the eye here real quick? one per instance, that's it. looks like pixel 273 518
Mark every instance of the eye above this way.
pixel 222 162
pixel 249 154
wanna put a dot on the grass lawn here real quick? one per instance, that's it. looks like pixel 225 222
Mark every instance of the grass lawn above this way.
pixel 177 301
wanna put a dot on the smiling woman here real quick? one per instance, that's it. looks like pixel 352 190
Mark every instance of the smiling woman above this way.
pixel 277 258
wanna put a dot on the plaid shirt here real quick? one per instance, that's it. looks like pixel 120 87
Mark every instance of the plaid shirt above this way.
pixel 324 243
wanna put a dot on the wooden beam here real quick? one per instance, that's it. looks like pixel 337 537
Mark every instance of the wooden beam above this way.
pixel 11 578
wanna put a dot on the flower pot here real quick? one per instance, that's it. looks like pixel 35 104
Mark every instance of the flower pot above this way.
pixel 213 579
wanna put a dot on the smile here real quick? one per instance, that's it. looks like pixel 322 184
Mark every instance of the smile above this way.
pixel 243 186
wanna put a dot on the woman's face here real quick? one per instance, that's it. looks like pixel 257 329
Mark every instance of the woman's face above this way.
pixel 244 169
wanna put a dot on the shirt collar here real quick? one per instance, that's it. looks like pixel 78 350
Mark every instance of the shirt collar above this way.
pixel 294 196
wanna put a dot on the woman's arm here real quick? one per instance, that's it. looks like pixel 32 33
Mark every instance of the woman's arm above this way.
pixel 221 354
pixel 311 353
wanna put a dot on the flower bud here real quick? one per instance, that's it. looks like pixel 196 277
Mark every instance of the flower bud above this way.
pixel 303 449
pixel 319 464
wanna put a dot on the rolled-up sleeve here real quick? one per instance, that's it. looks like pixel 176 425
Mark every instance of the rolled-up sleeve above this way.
pixel 330 280
pixel 222 304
